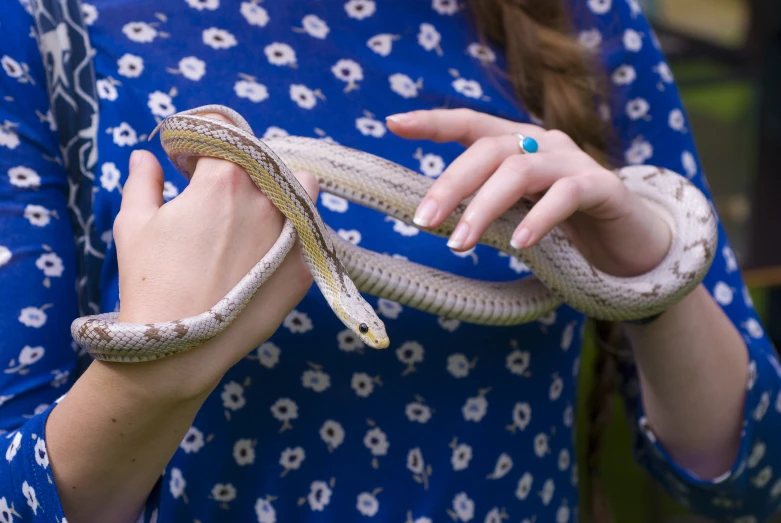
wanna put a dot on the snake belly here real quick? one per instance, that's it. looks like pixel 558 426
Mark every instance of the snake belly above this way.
pixel 343 271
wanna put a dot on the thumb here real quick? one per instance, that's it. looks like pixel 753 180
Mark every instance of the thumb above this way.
pixel 309 182
pixel 143 190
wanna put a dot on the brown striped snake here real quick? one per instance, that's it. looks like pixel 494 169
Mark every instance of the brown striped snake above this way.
pixel 342 270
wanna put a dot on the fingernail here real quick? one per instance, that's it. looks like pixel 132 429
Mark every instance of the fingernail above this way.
pixel 458 238
pixel 400 118
pixel 135 157
pixel 425 213
pixel 521 238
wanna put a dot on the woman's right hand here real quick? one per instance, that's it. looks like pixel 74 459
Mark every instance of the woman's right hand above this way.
pixel 120 423
pixel 179 259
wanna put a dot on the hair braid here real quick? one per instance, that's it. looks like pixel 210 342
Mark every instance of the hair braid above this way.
pixel 552 74
pixel 559 82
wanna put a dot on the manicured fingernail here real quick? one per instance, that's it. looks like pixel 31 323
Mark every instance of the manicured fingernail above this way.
pixel 458 238
pixel 135 157
pixel 521 238
pixel 400 118
pixel 425 213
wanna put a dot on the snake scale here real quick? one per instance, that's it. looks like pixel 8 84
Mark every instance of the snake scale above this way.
pixel 343 271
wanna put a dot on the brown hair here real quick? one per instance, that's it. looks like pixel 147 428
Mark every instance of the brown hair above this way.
pixel 561 84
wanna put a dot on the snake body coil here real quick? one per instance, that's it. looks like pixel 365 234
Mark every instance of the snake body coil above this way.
pixel 342 270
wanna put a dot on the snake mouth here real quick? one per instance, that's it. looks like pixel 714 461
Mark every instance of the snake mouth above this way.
pixel 381 343
pixel 375 340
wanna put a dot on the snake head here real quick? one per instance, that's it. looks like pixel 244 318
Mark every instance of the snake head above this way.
pixel 374 334
pixel 364 322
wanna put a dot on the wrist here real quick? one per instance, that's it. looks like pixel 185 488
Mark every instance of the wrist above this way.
pixel 650 239
pixel 172 380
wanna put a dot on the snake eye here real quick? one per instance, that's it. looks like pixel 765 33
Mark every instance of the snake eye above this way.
pixel 363 328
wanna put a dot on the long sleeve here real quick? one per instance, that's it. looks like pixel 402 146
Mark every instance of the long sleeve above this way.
pixel 37 277
pixel 648 116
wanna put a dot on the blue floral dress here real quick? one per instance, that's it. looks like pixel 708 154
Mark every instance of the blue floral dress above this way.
pixel 454 422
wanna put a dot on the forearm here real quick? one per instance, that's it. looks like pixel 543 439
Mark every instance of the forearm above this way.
pixel 111 437
pixel 693 368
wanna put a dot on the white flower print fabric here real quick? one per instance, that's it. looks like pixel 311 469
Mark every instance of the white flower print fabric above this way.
pixel 454 422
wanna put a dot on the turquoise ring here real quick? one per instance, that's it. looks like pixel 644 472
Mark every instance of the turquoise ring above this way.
pixel 527 144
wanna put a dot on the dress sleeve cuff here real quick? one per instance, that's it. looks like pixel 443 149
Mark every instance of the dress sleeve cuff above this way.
pixel 750 488
pixel 29 492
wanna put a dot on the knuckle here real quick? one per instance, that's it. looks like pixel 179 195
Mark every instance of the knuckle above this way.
pixel 557 136
pixel 309 183
pixel 600 177
pixel 488 145
pixel 570 187
pixel 298 276
pixel 464 112
pixel 267 213
pixel 446 189
pixel 441 189
pixel 225 175
pixel 463 119
pixel 518 163
pixel 609 177
pixel 230 177
pixel 304 277
pixel 610 182
pixel 122 224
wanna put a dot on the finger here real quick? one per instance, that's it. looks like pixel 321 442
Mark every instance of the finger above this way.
pixel 463 177
pixel 142 193
pixel 200 165
pixel 517 176
pixel 309 183
pixel 480 162
pixel 464 126
pixel 563 199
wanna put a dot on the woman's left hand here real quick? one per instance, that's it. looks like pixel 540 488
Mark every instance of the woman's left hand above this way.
pixel 610 226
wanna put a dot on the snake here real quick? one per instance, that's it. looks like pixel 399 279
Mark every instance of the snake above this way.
pixel 345 272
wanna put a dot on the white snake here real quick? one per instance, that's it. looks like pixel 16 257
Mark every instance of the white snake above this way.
pixel 342 269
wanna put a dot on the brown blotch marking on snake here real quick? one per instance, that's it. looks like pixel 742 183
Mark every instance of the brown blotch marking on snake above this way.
pixel 679 191
pixel 653 292
pixel 599 299
pixel 690 275
pixel 153 333
pixel 97 329
pixel 217 316
pixel 705 247
pixel 180 329
pixel 101 331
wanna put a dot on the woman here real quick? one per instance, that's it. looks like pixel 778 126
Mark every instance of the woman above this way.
pixel 454 420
